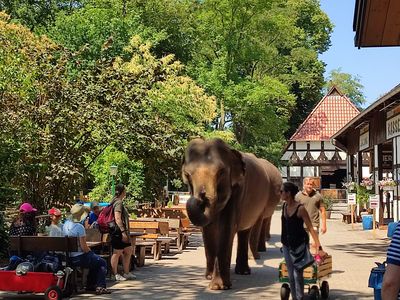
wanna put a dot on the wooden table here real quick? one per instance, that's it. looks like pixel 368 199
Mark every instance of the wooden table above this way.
pixel 134 235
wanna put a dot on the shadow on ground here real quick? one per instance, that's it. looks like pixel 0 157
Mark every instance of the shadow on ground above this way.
pixel 367 250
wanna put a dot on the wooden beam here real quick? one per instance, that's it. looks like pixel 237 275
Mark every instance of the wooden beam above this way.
pixel 375 22
pixel 391 34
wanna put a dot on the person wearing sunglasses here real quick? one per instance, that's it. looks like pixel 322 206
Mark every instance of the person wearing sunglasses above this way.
pixel 294 216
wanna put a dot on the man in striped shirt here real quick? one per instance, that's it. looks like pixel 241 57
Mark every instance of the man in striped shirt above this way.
pixel 391 279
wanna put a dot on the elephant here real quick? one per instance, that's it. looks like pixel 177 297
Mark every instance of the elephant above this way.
pixel 230 192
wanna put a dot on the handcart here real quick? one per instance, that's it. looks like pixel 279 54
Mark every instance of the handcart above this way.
pixel 55 286
pixel 318 288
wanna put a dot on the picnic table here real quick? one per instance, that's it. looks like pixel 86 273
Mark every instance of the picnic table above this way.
pixel 154 232
pixel 177 228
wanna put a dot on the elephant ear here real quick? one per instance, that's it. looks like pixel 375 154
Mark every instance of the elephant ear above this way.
pixel 238 167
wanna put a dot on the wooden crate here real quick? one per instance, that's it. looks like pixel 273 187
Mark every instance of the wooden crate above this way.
pixel 312 272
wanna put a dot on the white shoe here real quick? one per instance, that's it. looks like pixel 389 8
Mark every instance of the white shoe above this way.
pixel 119 277
pixel 129 276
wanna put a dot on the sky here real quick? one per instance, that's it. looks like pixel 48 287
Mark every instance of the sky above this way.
pixel 378 68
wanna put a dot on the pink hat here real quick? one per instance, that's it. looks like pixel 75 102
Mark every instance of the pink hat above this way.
pixel 26 208
pixel 54 211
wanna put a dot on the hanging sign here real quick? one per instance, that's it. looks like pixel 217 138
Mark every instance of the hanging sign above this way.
pixel 374 201
pixel 392 125
pixel 364 138
pixel 351 198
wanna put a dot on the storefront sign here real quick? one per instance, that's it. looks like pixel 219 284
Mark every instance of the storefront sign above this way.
pixel 374 201
pixel 393 127
pixel 387 160
pixel 351 198
pixel 364 141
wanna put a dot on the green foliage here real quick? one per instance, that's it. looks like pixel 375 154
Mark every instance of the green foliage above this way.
pixel 130 95
pixel 56 125
pixel 348 84
pixel 129 173
pixel 328 202
pixel 97 32
pixel 177 183
pixel 363 194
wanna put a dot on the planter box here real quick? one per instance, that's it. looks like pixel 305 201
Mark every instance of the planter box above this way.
pixel 388 188
pixel 313 272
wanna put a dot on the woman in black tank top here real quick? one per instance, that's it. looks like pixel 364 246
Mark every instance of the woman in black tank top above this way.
pixel 294 216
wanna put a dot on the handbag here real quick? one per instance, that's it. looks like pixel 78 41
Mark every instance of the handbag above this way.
pixel 301 256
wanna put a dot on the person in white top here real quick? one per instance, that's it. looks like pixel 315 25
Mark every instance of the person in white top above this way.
pixel 54 229
pixel 84 257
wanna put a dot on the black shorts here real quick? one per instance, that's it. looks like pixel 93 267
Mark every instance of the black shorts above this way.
pixel 116 240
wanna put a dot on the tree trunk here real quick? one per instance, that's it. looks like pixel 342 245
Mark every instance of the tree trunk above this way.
pixel 221 124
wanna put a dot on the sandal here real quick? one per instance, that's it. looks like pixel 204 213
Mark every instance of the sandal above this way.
pixel 101 290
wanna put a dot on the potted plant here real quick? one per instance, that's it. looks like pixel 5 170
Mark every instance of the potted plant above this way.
pixel 350 186
pixel 328 203
pixel 367 182
pixel 387 184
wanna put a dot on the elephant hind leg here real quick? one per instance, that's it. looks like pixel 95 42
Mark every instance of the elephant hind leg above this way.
pixel 242 258
pixel 255 238
pixel 264 234
pixel 268 228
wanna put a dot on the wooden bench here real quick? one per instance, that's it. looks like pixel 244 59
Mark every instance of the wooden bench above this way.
pixel 346 217
pixel 23 244
pixel 155 232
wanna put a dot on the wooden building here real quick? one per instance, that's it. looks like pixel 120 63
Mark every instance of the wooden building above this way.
pixel 310 152
pixel 375 134
pixel 377 23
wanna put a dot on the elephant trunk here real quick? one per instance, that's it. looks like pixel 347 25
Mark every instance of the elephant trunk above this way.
pixel 196 212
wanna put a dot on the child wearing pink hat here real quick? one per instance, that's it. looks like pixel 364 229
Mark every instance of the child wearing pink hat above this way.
pixel 24 223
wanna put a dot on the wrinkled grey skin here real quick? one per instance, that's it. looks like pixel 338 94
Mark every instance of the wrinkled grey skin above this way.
pixel 231 192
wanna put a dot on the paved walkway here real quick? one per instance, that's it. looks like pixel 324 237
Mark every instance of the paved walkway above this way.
pixel 180 276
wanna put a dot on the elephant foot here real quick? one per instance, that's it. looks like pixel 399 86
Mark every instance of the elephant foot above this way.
pixel 255 255
pixel 262 248
pixel 242 270
pixel 218 284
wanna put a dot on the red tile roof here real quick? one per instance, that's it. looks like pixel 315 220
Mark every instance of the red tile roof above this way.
pixel 333 112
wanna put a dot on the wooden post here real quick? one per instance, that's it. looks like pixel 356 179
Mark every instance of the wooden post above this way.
pixel 373 222
pixel 352 215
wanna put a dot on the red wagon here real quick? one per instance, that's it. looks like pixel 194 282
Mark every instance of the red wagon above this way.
pixel 52 285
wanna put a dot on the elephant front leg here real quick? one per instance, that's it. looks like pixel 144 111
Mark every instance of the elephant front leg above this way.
pixel 242 258
pixel 221 279
pixel 210 247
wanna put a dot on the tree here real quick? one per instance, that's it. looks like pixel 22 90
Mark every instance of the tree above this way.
pixel 348 84
pixel 58 125
pixel 245 46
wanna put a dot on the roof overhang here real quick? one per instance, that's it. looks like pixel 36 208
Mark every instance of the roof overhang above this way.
pixel 385 103
pixel 376 23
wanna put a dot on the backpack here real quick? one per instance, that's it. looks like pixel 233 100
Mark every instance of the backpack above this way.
pixel 106 220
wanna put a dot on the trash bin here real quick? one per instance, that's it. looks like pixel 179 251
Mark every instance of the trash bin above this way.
pixel 376 278
pixel 367 222
pixel 391 228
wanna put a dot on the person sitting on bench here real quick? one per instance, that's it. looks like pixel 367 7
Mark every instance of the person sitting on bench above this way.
pixel 85 258
pixel 24 223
